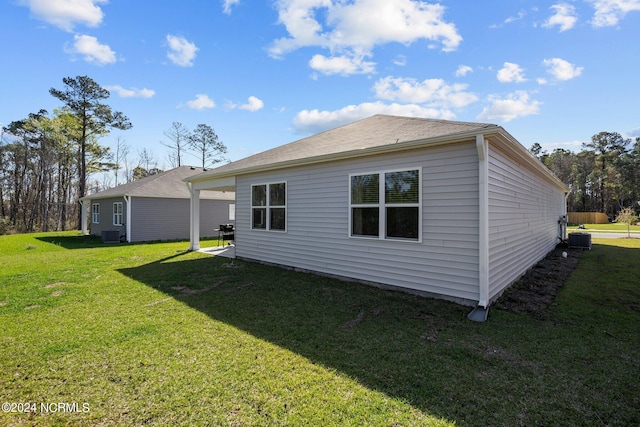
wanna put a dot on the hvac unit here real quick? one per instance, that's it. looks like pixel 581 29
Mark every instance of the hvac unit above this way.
pixel 580 240
pixel 110 236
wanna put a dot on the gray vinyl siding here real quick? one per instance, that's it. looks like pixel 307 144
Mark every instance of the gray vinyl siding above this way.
pixel 317 236
pixel 168 219
pixel 106 216
pixel 524 210
pixel 154 218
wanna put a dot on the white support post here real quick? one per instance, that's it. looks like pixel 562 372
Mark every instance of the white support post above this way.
pixel 195 219
pixel 128 225
pixel 483 230
pixel 83 221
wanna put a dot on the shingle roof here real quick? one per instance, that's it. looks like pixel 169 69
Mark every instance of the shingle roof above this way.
pixel 168 184
pixel 375 131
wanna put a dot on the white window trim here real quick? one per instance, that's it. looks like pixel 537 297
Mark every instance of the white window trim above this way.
pixel 268 207
pixel 118 214
pixel 382 205
pixel 95 213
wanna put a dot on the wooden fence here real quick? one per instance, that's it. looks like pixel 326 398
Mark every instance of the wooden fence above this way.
pixel 587 218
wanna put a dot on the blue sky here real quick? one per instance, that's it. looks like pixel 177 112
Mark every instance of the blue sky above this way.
pixel 266 73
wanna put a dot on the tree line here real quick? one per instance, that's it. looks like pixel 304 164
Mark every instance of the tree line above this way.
pixel 603 177
pixel 47 159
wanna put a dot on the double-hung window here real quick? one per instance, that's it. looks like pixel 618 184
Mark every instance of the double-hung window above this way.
pixel 386 205
pixel 117 213
pixel 269 206
pixel 95 213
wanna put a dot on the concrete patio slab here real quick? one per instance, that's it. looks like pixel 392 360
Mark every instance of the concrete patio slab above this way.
pixel 223 251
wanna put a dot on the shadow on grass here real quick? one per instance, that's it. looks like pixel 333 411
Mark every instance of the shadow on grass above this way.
pixel 91 241
pixel 77 242
pixel 512 370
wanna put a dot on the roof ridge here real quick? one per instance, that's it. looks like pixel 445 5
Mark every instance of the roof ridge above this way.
pixel 147 183
pixel 457 122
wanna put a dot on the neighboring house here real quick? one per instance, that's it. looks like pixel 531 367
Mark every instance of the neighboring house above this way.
pixel 155 208
pixel 450 209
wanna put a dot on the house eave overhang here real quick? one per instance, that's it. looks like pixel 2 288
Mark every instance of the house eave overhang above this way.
pixel 343 155
pixel 493 132
pixel 112 196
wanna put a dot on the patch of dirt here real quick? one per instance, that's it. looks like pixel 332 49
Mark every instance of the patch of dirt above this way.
pixel 431 334
pixel 55 285
pixel 352 323
pixel 31 307
pixel 240 288
pixel 157 302
pixel 376 312
pixel 537 288
pixel 56 293
pixel 185 290
pixel 3 303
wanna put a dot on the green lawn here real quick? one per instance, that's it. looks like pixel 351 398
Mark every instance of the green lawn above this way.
pixel 149 334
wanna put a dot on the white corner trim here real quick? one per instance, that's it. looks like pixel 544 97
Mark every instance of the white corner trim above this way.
pixel 482 147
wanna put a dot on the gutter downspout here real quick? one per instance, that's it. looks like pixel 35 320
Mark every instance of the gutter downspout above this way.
pixel 127 231
pixel 481 311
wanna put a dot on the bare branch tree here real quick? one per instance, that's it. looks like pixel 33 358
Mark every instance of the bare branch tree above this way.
pixel 179 135
pixel 120 157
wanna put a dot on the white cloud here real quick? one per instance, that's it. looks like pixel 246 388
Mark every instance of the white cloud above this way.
pixel 521 14
pixel 574 146
pixel 561 69
pixel 510 73
pixel 65 14
pixel 610 12
pixel 463 70
pixel 181 51
pixel 353 29
pixel 228 4
pixel 432 92
pixel 432 98
pixel 515 105
pixel 511 19
pixel 344 65
pixel 400 60
pixel 564 17
pixel 201 102
pixel 92 50
pixel 315 121
pixel 131 93
pixel 253 104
